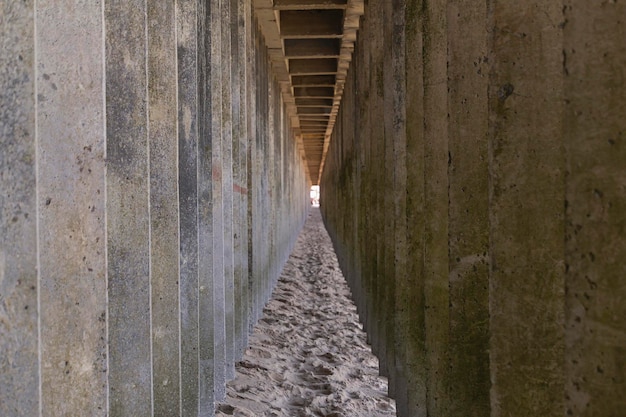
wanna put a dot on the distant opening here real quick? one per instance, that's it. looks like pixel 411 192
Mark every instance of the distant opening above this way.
pixel 315 196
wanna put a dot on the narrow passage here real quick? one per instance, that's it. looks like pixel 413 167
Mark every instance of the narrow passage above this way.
pixel 308 354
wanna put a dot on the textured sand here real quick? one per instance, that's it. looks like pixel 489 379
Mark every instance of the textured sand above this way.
pixel 308 355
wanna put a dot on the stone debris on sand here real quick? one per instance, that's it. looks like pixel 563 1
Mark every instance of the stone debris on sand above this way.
pixel 308 354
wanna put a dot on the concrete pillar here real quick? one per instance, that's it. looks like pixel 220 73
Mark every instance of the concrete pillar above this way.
pixel 239 188
pixel 127 191
pixel 526 209
pixel 19 205
pixel 468 194
pixel 255 217
pixel 254 184
pixel 252 128
pixel 164 219
pixel 410 300
pixel 593 62
pixel 228 81
pixel 189 56
pixel 206 122
pixel 218 129
pixel 246 61
pixel 436 296
pixel 71 221
pixel 361 69
pixel 376 47
pixel 393 189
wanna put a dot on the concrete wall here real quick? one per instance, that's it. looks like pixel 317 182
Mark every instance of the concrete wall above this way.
pixel 150 191
pixel 474 189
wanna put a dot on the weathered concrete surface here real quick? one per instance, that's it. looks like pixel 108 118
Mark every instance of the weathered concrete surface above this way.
pixel 468 223
pixel 227 187
pixel 217 198
pixel 188 54
pixel 436 157
pixel 125 287
pixel 19 368
pixel 238 44
pixel 506 294
pixel 526 209
pixel 376 137
pixel 473 189
pixel 127 210
pixel 594 58
pixel 206 395
pixel 71 208
pixel 164 215
pixel 410 321
pixel 394 176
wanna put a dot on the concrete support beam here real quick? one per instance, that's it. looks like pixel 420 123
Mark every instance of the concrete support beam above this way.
pixel 304 24
pixel 310 4
pixel 312 80
pixel 312 66
pixel 312 48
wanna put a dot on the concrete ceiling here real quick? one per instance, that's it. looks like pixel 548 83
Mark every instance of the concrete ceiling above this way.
pixel 310 45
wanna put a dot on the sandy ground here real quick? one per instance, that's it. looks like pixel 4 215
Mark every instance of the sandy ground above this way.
pixel 308 355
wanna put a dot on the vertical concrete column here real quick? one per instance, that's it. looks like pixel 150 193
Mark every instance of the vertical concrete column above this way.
pixel 246 61
pixel 188 37
pixel 410 300
pixel 164 229
pixel 270 167
pixel 468 209
pixel 217 197
pixel 127 188
pixel 238 49
pixel 252 127
pixel 70 199
pixel 267 189
pixel 19 286
pixel 370 245
pixel 207 70
pixel 436 295
pixel 376 47
pixel 594 58
pixel 361 70
pixel 396 203
pixel 395 172
pixel 526 209
pixel 254 180
pixel 346 118
pixel 228 80
pixel 255 188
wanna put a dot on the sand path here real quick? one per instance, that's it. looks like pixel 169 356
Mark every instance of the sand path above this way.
pixel 308 355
